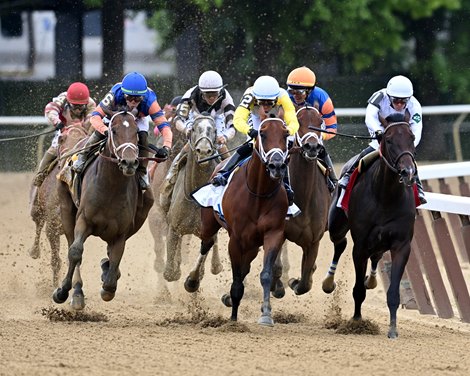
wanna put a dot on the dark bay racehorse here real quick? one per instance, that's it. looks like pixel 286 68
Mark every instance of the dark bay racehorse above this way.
pixel 183 217
pixel 254 207
pixel 112 207
pixel 45 208
pixel 381 217
pixel 311 195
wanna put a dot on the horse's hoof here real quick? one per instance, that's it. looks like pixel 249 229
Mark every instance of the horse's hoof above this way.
pixel 191 285
pixel 328 285
pixel 34 252
pixel 107 295
pixel 293 282
pixel 60 296
pixel 279 290
pixel 216 269
pixel 370 282
pixel 77 302
pixel 227 300
pixel 392 334
pixel 266 321
pixel 171 276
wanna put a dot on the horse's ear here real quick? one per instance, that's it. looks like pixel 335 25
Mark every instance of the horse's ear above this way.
pixel 383 121
pixel 109 113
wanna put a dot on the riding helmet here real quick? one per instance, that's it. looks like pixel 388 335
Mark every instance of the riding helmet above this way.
pixel 134 84
pixel 266 87
pixel 400 87
pixel 78 93
pixel 301 77
pixel 210 81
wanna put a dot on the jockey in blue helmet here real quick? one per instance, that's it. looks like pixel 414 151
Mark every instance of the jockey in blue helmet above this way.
pixel 133 95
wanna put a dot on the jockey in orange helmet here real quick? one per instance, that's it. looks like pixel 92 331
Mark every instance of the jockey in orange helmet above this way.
pixel 302 89
pixel 71 106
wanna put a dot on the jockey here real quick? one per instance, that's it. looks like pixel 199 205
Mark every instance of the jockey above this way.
pixel 397 97
pixel 209 96
pixel 71 106
pixel 170 108
pixel 302 89
pixel 132 95
pixel 264 99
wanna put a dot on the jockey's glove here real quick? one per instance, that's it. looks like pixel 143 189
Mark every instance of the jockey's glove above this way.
pixel 253 133
pixel 163 152
pixel 378 136
pixel 59 126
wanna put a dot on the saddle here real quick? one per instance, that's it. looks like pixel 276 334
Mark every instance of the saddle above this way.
pixel 74 180
pixel 367 161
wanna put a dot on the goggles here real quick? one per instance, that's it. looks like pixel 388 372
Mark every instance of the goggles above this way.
pixel 79 107
pixel 266 102
pixel 396 100
pixel 297 91
pixel 133 98
pixel 210 94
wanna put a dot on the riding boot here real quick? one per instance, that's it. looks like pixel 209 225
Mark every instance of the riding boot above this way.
pixel 343 182
pixel 168 184
pixel 232 162
pixel 421 196
pixel 289 191
pixel 82 156
pixel 144 180
pixel 331 179
pixel 42 171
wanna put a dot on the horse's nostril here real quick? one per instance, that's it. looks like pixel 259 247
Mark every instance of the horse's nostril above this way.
pixel 198 150
pixel 271 166
pixel 307 147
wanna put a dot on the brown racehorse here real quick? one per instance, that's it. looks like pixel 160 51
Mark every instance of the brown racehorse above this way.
pixel 380 217
pixel 254 207
pixel 112 207
pixel 45 208
pixel 311 195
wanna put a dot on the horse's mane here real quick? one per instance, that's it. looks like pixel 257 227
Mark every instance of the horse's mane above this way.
pixel 395 118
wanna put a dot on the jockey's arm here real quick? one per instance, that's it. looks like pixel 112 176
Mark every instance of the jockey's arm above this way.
pixel 290 117
pixel 96 120
pixel 329 116
pixel 372 119
pixel 240 119
pixel 54 108
pixel 161 124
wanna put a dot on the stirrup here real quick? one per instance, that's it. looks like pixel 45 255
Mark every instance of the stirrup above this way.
pixel 218 180
pixel 78 165
pixel 331 184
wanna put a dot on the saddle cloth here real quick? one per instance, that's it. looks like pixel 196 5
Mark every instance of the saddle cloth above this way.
pixel 211 196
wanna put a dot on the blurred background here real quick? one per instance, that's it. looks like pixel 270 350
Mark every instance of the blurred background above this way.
pixel 354 48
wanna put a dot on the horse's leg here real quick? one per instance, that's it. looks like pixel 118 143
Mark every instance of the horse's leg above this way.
pixel 115 252
pixel 371 280
pixel 158 227
pixel 309 256
pixel 53 235
pixel 75 253
pixel 400 257
pixel 277 287
pixel 216 265
pixel 39 219
pixel 272 245
pixel 285 263
pixel 209 229
pixel 338 227
pixel 173 256
pixel 359 290
pixel 78 298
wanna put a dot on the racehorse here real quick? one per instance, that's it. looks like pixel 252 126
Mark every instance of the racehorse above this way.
pixel 380 216
pixel 254 208
pixel 112 207
pixel 45 201
pixel 311 195
pixel 183 216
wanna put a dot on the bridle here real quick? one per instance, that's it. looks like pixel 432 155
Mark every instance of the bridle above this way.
pixel 267 156
pixel 393 164
pixel 301 141
pixel 119 150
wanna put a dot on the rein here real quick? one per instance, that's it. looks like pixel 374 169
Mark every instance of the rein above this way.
pixel 25 137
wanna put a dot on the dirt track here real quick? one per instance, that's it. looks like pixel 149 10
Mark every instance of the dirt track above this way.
pixel 143 331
